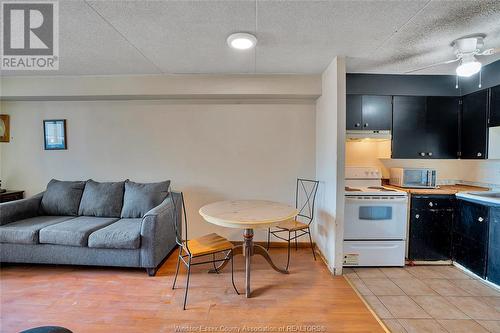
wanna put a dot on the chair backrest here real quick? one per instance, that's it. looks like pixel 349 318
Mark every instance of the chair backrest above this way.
pixel 180 205
pixel 305 197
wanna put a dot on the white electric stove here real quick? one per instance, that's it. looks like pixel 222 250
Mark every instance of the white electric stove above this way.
pixel 375 224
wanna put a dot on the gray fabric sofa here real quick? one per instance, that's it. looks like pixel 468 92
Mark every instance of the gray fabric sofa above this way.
pixel 123 224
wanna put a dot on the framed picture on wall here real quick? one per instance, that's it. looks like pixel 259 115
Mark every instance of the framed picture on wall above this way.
pixel 4 128
pixel 54 134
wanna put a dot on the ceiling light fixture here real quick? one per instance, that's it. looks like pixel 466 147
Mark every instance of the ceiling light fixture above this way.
pixel 468 66
pixel 241 41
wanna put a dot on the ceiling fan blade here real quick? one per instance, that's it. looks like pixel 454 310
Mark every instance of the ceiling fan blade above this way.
pixel 433 65
pixel 490 51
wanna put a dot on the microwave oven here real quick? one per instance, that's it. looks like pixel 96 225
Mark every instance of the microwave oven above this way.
pixel 413 177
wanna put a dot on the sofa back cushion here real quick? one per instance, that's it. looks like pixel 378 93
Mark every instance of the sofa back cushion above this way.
pixel 102 199
pixel 62 197
pixel 140 198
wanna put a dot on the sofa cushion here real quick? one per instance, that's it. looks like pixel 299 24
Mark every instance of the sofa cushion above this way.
pixel 140 198
pixel 102 199
pixel 26 231
pixel 123 234
pixel 74 232
pixel 62 197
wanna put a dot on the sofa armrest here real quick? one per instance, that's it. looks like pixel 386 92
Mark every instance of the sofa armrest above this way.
pixel 20 209
pixel 158 232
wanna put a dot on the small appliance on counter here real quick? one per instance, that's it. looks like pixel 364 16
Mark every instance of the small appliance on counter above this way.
pixel 413 177
pixel 375 220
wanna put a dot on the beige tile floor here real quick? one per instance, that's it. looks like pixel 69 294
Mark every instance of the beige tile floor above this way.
pixel 428 299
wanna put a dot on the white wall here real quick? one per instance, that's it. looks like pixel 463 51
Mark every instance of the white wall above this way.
pixel 212 150
pixel 330 137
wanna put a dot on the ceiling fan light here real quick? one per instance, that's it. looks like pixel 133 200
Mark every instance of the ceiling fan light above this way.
pixel 469 68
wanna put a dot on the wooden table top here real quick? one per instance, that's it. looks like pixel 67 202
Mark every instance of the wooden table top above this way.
pixel 247 214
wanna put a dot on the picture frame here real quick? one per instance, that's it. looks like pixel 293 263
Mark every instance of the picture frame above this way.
pixel 54 134
pixel 4 128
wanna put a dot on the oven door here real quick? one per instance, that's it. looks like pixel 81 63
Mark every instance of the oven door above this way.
pixel 375 217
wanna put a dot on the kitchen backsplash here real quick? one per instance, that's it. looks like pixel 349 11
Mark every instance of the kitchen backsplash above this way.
pixel 474 172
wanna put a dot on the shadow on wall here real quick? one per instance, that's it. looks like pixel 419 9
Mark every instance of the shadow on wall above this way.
pixel 323 236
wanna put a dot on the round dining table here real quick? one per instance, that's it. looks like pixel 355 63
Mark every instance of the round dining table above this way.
pixel 248 215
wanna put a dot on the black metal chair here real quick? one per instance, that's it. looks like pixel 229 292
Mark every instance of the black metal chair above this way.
pixel 211 244
pixel 305 197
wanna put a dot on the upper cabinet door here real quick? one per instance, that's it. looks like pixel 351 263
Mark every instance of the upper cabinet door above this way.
pixel 368 112
pixel 442 127
pixel 408 130
pixel 474 136
pixel 377 112
pixel 495 107
pixel 353 112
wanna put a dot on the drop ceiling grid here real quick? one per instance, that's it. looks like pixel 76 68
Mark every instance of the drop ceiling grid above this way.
pixel 294 36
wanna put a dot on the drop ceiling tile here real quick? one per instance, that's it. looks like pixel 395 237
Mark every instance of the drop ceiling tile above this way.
pixel 304 36
pixel 427 38
pixel 88 45
pixel 185 36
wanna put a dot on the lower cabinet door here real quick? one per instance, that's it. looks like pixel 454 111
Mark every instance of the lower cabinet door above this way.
pixel 430 234
pixel 493 271
pixel 473 221
pixel 470 253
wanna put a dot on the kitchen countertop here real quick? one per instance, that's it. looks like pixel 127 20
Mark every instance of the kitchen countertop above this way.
pixel 443 189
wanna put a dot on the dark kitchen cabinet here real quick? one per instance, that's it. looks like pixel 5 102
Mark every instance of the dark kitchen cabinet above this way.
pixel 353 112
pixel 425 127
pixel 470 237
pixel 442 126
pixel 474 129
pixel 431 220
pixel 368 112
pixel 493 271
pixel 408 127
pixel 495 107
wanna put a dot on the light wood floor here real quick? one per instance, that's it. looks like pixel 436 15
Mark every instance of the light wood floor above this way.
pixel 92 299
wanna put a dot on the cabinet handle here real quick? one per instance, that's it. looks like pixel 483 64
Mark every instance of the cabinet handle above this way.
pixel 357 125
pixel 479 154
pixel 480 219
pixel 417 216
pixel 431 204
pixel 365 125
pixel 430 154
pixel 421 154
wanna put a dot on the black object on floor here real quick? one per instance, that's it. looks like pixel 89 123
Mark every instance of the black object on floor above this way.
pixel 47 329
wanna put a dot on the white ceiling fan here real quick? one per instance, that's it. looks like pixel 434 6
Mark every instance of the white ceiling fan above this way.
pixel 466 50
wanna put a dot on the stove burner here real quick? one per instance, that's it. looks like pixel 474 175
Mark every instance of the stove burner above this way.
pixel 351 189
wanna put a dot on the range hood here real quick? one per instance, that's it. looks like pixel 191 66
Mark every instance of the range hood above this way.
pixel 357 135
